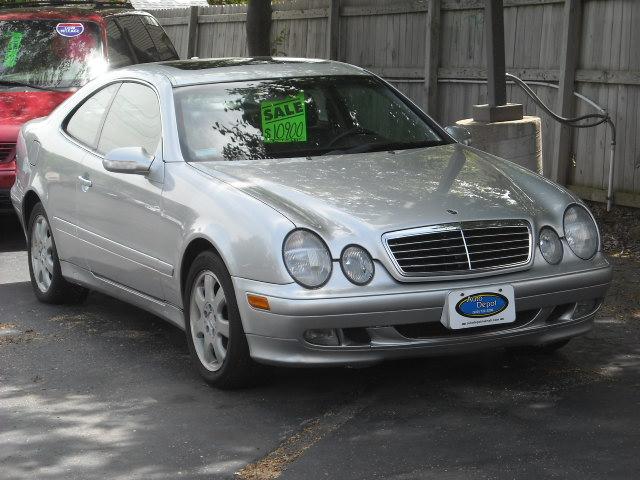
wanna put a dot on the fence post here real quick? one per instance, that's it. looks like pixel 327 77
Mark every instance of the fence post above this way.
pixel 333 23
pixel 569 53
pixel 432 60
pixel 192 39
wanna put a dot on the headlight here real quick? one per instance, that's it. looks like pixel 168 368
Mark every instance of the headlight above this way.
pixel 357 264
pixel 581 232
pixel 307 258
pixel 550 245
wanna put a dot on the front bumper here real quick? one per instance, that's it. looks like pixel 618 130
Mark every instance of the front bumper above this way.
pixel 7 179
pixel 398 320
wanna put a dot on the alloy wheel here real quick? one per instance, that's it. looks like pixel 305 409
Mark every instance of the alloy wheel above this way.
pixel 42 253
pixel 209 320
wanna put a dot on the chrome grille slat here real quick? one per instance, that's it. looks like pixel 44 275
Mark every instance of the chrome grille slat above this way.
pixel 493 235
pixel 501 242
pixel 469 247
pixel 496 250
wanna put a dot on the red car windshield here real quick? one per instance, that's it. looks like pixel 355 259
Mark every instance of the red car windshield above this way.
pixel 53 54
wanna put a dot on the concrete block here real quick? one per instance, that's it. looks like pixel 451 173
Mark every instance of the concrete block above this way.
pixel 519 141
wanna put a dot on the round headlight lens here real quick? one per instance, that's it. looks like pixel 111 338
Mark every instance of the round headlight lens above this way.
pixel 550 245
pixel 307 258
pixel 357 265
pixel 581 231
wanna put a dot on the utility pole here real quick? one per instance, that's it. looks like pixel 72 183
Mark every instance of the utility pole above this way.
pixel 497 109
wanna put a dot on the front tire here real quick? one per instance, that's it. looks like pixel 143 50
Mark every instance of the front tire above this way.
pixel 215 336
pixel 44 265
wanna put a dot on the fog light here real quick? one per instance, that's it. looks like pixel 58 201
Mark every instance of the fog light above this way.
pixel 322 336
pixel 550 245
pixel 585 308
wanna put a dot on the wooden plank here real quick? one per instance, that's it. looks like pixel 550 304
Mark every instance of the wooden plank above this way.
pixel 477 73
pixel 564 107
pixel 624 77
pixel 479 4
pixel 192 35
pixel 628 199
pixel 333 24
pixel 223 18
pixel 416 7
pixel 167 22
pixel 546 75
pixel 299 14
pixel 432 57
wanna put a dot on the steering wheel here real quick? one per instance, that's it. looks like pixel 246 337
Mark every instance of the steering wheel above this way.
pixel 348 133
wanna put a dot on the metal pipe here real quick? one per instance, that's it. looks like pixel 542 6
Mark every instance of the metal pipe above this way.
pixel 603 113
pixel 610 182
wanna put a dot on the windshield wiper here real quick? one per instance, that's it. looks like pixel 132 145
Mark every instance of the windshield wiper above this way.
pixel 13 83
pixel 384 147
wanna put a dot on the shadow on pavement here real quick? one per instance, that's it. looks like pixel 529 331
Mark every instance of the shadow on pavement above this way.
pixel 11 235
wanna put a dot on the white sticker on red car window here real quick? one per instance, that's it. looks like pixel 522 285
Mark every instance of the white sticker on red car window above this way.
pixel 70 29
pixel 13 50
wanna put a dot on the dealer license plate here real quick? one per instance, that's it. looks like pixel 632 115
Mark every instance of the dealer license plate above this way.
pixel 479 307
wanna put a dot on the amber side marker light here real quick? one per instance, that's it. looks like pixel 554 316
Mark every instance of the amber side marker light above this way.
pixel 258 301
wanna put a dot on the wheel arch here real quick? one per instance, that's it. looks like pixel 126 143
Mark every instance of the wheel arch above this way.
pixel 31 199
pixel 195 247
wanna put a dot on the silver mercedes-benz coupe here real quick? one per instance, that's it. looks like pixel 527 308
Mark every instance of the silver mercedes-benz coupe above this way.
pixel 298 212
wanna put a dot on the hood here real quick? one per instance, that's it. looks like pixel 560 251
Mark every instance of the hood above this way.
pixel 386 191
pixel 16 108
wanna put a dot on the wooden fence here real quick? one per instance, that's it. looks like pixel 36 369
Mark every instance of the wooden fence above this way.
pixel 433 50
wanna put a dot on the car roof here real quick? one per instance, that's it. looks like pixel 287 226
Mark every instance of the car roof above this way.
pixel 233 69
pixel 74 13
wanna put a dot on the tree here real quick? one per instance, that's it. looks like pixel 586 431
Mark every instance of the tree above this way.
pixel 259 28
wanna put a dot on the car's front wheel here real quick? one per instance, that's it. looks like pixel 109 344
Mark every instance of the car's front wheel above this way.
pixel 44 265
pixel 213 326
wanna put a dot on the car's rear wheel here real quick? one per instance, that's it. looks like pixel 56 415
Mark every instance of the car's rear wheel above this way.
pixel 44 265
pixel 216 339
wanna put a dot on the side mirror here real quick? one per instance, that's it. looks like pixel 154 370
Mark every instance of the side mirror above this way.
pixel 459 134
pixel 128 160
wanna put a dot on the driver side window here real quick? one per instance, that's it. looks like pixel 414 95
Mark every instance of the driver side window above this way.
pixel 133 120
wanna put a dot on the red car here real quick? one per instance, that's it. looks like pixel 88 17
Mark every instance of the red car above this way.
pixel 50 49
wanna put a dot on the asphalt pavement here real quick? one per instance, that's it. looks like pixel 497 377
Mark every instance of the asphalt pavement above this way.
pixel 104 390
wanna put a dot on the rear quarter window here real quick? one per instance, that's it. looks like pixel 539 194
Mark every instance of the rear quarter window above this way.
pixel 85 122
pixel 135 32
pixel 163 44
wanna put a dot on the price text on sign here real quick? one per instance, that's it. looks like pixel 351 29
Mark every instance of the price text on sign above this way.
pixel 284 121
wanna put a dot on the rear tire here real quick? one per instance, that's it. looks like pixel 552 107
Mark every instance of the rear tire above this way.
pixel 44 265
pixel 216 339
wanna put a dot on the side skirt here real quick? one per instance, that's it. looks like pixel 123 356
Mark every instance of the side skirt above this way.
pixel 87 279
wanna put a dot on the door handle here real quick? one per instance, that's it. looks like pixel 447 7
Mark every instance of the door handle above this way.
pixel 85 183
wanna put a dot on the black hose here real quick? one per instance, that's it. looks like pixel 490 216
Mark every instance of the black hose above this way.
pixel 572 122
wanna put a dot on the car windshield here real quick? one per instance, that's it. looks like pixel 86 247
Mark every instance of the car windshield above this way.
pixel 49 53
pixel 297 117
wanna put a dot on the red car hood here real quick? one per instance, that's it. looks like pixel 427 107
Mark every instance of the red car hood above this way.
pixel 17 108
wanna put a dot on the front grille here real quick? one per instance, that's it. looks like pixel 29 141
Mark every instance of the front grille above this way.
pixel 460 247
pixel 7 151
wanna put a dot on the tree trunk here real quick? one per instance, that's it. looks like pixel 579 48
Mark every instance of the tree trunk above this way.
pixel 259 28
